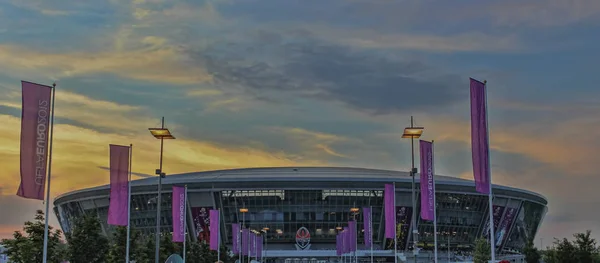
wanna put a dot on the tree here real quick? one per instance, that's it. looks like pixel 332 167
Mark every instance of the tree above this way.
pixel 482 251
pixel 532 255
pixel 118 246
pixel 145 253
pixel 167 247
pixel 195 252
pixel 29 248
pixel 87 244
pixel 585 247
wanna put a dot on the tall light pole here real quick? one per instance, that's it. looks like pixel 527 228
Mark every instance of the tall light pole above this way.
pixel 354 210
pixel 161 133
pixel 413 133
pixel 264 255
pixel 244 210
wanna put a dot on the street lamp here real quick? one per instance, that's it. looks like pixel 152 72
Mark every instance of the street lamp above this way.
pixel 413 133
pixel 354 210
pixel 244 210
pixel 161 133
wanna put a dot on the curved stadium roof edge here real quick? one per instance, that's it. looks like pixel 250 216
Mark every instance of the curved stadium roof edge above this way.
pixel 274 174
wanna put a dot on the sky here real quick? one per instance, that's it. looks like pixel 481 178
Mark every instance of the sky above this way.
pixel 251 83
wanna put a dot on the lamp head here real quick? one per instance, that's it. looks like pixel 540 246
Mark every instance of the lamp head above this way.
pixel 413 132
pixel 161 133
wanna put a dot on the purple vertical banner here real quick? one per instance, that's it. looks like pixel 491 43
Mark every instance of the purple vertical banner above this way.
pixel 346 240
pixel 504 227
pixel 119 185
pixel 390 218
pixel 245 241
pixel 367 226
pixel 498 210
pixel 403 217
pixel 178 210
pixel 427 181
pixel 479 137
pixel 235 237
pixel 253 245
pixel 338 242
pixel 259 247
pixel 214 230
pixel 353 236
pixel 35 124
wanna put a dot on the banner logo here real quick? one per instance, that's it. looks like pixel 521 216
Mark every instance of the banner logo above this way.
pixel 302 239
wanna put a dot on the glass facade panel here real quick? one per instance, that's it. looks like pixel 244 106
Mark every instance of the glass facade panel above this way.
pixel 525 226
pixel 458 220
pixel 284 212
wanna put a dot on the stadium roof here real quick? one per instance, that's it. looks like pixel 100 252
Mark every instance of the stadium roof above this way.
pixel 303 174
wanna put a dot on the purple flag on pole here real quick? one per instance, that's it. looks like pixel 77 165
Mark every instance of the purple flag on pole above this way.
pixel 427 181
pixel 479 137
pixel 390 211
pixel 259 247
pixel 235 237
pixel 119 185
pixel 214 229
pixel 178 210
pixel 353 236
pixel 245 241
pixel 35 124
pixel 367 226
pixel 338 242
pixel 346 240
pixel 253 248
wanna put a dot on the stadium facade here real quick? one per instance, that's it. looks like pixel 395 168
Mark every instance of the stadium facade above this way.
pixel 318 199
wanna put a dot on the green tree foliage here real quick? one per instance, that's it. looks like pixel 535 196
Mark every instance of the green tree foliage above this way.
pixel 167 247
pixel 581 250
pixel 585 247
pixel 532 255
pixel 118 245
pixel 87 244
pixel 145 253
pixel 482 251
pixel 29 247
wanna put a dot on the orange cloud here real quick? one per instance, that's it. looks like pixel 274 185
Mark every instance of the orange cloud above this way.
pixel 150 62
pixel 78 151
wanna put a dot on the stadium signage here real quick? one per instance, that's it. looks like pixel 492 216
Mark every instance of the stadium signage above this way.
pixel 302 239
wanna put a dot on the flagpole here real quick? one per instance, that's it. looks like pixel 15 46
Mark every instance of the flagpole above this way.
pixel 185 223
pixel 489 170
pixel 218 237
pixel 371 229
pixel 395 228
pixel 435 237
pixel 46 228
pixel 129 205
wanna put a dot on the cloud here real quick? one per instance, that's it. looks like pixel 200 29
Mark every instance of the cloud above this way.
pixel 313 69
pixel 462 42
pixel 313 140
pixel 158 64
pixel 79 151
pixel 543 13
pixel 98 114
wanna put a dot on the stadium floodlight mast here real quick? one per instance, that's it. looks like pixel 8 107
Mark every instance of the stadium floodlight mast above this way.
pixel 161 133
pixel 413 133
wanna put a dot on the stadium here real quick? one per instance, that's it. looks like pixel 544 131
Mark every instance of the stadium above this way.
pixel 292 200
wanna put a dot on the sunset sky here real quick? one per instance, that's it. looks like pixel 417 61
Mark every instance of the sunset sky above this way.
pixel 252 83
